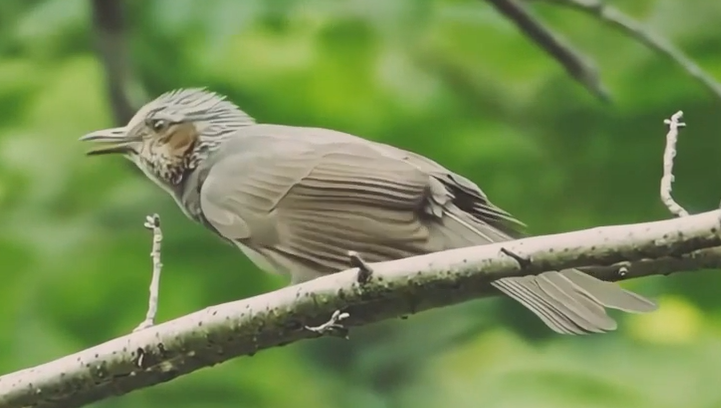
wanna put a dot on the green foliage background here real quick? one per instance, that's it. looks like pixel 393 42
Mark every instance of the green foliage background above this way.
pixel 447 78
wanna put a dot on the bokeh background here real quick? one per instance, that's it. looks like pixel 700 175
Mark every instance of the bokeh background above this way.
pixel 451 79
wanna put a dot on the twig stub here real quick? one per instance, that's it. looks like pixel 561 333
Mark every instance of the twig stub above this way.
pixel 522 262
pixel 365 272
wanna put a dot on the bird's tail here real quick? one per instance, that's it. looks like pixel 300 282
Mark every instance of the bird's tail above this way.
pixel 569 301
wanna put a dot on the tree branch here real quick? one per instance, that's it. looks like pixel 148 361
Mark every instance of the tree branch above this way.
pixel 620 21
pixel 575 64
pixel 398 288
pixel 111 44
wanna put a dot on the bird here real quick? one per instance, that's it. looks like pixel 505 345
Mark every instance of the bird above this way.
pixel 295 200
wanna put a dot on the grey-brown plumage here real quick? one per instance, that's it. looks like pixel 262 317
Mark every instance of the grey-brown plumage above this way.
pixel 295 200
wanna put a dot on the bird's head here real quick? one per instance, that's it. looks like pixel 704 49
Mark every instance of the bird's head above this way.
pixel 172 134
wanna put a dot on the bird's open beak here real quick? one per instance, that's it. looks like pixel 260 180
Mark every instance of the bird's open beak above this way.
pixel 113 140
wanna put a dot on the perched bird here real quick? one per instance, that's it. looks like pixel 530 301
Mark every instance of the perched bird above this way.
pixel 295 200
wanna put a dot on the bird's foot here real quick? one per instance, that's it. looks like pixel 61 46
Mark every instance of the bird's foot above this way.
pixel 364 270
pixel 332 327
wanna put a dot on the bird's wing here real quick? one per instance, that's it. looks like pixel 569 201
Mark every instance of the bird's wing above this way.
pixel 467 196
pixel 306 208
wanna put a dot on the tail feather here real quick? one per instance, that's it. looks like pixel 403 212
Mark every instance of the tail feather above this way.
pixel 525 291
pixel 569 302
pixel 590 313
pixel 609 294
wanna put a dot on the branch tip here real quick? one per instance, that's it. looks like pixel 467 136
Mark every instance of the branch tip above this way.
pixel 152 221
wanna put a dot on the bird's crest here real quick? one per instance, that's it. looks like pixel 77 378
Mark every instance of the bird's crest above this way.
pixel 194 105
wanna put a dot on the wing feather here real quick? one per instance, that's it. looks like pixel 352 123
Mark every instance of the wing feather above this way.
pixel 319 204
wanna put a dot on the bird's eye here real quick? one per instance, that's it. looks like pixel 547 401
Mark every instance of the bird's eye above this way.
pixel 158 125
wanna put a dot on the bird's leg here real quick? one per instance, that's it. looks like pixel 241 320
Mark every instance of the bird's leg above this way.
pixel 152 222
pixel 522 261
pixel 364 270
pixel 332 327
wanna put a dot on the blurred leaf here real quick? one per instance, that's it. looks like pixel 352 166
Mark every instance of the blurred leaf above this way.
pixel 450 79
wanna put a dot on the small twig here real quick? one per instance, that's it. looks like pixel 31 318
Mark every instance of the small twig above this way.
pixel 575 64
pixel 332 327
pixel 617 19
pixel 522 262
pixel 668 155
pixel 364 270
pixel 152 222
